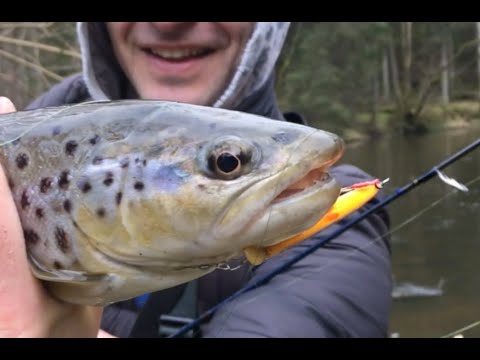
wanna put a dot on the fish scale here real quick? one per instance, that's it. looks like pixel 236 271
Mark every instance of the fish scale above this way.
pixel 121 198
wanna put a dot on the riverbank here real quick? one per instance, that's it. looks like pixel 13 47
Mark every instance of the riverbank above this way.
pixel 456 115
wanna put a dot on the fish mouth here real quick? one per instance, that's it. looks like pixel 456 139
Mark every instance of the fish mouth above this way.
pixel 314 180
pixel 308 182
pixel 302 196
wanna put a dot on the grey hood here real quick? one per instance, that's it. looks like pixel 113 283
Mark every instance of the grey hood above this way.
pixel 251 88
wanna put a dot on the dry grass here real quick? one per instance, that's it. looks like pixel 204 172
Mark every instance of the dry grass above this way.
pixel 34 56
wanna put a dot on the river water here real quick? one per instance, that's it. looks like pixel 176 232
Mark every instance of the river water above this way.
pixel 442 244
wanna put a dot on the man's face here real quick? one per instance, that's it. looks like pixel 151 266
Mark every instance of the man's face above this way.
pixel 179 61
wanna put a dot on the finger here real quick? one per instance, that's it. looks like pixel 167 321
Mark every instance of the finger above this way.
pixel 6 106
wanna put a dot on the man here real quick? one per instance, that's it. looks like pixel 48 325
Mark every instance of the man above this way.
pixel 342 290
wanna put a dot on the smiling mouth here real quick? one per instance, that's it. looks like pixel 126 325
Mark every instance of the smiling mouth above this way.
pixel 178 55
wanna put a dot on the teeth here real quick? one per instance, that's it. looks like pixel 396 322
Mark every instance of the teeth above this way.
pixel 176 53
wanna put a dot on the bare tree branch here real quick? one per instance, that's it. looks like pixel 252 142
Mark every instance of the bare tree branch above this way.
pixel 434 77
pixel 40 46
pixel 37 67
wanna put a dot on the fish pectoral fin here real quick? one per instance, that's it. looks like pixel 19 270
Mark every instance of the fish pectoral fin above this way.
pixel 62 275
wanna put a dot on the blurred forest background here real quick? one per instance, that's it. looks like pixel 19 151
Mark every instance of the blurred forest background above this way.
pixel 360 79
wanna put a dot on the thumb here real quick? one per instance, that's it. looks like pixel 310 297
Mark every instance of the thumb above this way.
pixel 6 106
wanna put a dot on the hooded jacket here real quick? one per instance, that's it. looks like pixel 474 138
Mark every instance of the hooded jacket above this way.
pixel 341 290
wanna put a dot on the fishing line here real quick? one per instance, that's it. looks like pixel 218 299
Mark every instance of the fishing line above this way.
pixel 459 331
pixel 267 277
pixel 427 208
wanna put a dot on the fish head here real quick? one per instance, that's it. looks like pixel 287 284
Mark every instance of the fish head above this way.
pixel 212 182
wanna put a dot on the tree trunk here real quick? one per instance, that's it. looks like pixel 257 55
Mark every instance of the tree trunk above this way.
pixel 394 70
pixel 478 57
pixel 375 100
pixel 451 65
pixel 386 77
pixel 406 41
pixel 445 78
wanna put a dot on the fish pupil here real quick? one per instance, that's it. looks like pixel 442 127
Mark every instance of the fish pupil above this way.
pixel 227 162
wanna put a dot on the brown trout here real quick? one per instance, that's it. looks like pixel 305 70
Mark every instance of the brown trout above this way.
pixel 117 199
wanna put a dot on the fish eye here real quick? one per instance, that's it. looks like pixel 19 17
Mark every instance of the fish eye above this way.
pixel 229 159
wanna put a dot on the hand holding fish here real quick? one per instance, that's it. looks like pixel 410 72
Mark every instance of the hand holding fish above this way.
pixel 26 309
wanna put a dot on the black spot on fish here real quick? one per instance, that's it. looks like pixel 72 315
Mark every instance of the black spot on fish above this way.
pixel 63 180
pixel 101 212
pixel 24 201
pixel 124 162
pixel 94 140
pixel 212 126
pixel 108 179
pixel 62 240
pixel 70 147
pixel 31 237
pixel 97 160
pixel 21 160
pixel 57 265
pixel 67 205
pixel 144 162
pixel 137 160
pixel 39 213
pixel 45 184
pixel 201 186
pixel 118 198
pixel 56 130
pixel 138 185
pixel 75 224
pixel 85 186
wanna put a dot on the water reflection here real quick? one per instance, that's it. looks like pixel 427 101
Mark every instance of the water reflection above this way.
pixel 442 243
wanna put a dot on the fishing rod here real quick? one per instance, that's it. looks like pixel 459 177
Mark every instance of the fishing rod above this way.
pixel 267 277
